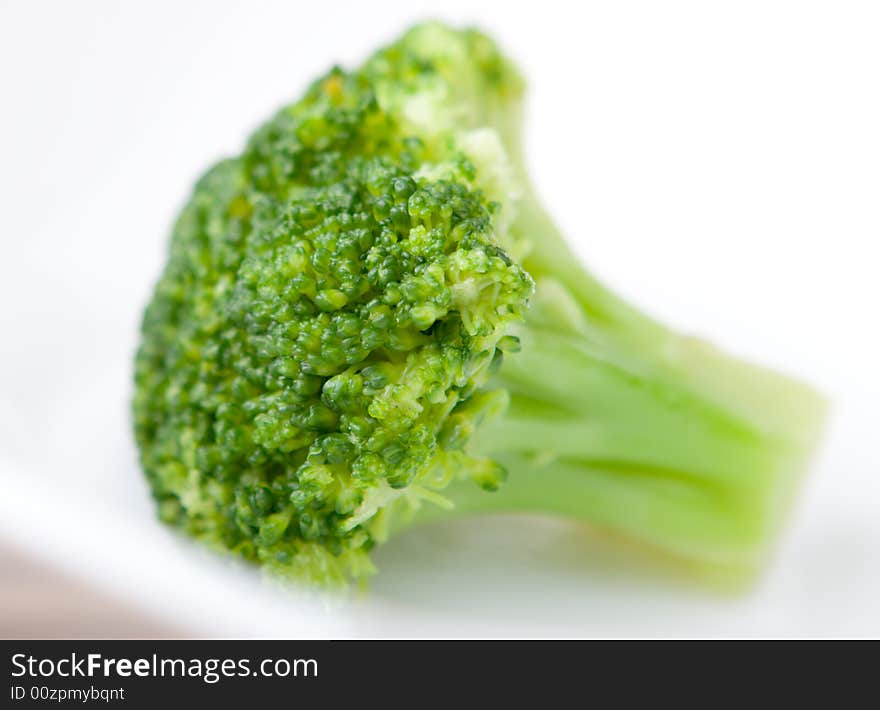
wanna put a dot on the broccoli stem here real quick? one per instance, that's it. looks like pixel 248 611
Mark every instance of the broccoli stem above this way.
pixel 617 421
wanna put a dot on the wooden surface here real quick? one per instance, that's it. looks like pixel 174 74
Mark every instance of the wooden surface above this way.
pixel 38 602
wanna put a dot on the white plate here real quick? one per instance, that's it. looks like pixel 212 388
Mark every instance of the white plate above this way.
pixel 720 169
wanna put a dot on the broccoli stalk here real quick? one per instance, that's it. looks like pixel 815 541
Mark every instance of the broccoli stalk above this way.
pixel 621 422
pixel 631 427
pixel 367 313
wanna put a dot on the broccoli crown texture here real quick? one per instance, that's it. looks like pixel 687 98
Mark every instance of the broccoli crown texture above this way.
pixel 332 305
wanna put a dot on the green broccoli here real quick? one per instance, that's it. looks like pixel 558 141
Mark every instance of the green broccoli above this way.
pixel 367 314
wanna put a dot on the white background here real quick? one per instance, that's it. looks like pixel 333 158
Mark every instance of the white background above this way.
pixel 717 163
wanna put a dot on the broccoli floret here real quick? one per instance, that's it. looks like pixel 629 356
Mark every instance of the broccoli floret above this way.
pixel 323 355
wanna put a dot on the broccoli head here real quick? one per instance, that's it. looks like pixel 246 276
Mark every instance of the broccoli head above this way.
pixel 324 350
pixel 324 329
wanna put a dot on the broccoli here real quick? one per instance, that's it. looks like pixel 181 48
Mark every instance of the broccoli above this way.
pixel 367 315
